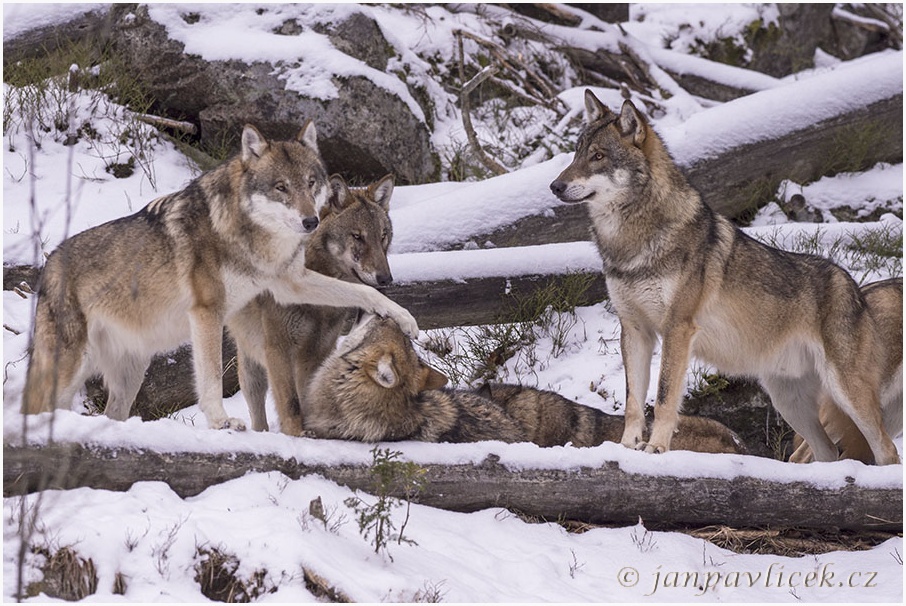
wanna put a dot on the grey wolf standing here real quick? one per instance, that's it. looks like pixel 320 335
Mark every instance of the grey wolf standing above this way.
pixel 284 345
pixel 674 268
pixel 111 297
pixel 885 304
pixel 375 387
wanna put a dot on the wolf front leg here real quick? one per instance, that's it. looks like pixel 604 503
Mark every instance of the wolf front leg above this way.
pixel 636 346
pixel 206 323
pixel 677 349
pixel 312 288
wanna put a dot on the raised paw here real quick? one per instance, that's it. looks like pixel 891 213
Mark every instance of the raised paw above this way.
pixel 407 323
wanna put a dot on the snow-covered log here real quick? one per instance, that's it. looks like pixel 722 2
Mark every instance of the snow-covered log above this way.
pixel 602 495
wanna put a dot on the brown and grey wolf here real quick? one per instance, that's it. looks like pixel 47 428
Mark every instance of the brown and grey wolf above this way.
pixel 111 297
pixel 376 388
pixel 284 344
pixel 885 304
pixel 675 269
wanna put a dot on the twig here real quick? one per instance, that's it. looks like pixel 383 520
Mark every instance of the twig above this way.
pixel 531 79
pixel 480 77
pixel 489 163
pixel 895 29
pixel 160 122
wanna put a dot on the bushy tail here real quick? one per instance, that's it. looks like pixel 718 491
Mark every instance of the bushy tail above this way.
pixel 58 343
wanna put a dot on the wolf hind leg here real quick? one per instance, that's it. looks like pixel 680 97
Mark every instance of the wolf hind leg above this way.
pixel 797 401
pixel 858 396
pixel 253 383
pixel 280 371
pixel 123 380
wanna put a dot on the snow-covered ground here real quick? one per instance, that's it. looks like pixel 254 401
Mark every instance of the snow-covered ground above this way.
pixel 151 537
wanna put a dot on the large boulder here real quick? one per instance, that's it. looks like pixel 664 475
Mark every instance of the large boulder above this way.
pixel 364 133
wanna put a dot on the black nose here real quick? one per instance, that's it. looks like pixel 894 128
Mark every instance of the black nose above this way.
pixel 310 223
pixel 558 187
pixel 384 279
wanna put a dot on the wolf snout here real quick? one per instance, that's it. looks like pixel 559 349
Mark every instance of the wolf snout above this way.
pixel 384 279
pixel 558 187
pixel 310 224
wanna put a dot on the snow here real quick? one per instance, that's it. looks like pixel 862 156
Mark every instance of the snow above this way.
pixel 781 110
pixel 151 536
pixel 868 191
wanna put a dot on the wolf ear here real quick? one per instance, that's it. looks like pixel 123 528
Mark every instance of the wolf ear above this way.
pixel 594 109
pixel 357 334
pixel 308 136
pixel 253 143
pixel 430 378
pixel 383 372
pixel 632 122
pixel 381 191
pixel 340 197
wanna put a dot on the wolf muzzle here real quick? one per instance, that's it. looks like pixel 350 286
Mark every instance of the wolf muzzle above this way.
pixel 309 224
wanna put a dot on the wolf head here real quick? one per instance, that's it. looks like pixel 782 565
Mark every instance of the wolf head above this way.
pixel 613 155
pixel 378 349
pixel 285 182
pixel 356 230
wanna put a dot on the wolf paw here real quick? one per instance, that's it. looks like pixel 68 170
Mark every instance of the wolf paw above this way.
pixel 407 323
pixel 234 424
pixel 650 448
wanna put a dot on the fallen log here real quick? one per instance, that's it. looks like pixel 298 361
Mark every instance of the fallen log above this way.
pixel 600 495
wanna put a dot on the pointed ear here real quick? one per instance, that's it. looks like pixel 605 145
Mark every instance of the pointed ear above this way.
pixel 430 378
pixel 340 197
pixel 381 191
pixel 383 372
pixel 253 143
pixel 594 109
pixel 633 123
pixel 485 391
pixel 308 136
pixel 357 334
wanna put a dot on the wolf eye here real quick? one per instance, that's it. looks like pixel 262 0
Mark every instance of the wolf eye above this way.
pixel 598 156
pixel 356 236
pixel 281 187
pixel 311 183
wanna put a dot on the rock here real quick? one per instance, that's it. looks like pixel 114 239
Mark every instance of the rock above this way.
pixel 791 48
pixel 746 409
pixel 611 12
pixel 364 133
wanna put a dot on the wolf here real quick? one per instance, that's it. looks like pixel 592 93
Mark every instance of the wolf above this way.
pixel 675 269
pixel 284 345
pixel 885 304
pixel 375 387
pixel 549 419
pixel 371 389
pixel 111 297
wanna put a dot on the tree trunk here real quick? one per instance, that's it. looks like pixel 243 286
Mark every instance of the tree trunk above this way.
pixel 604 495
